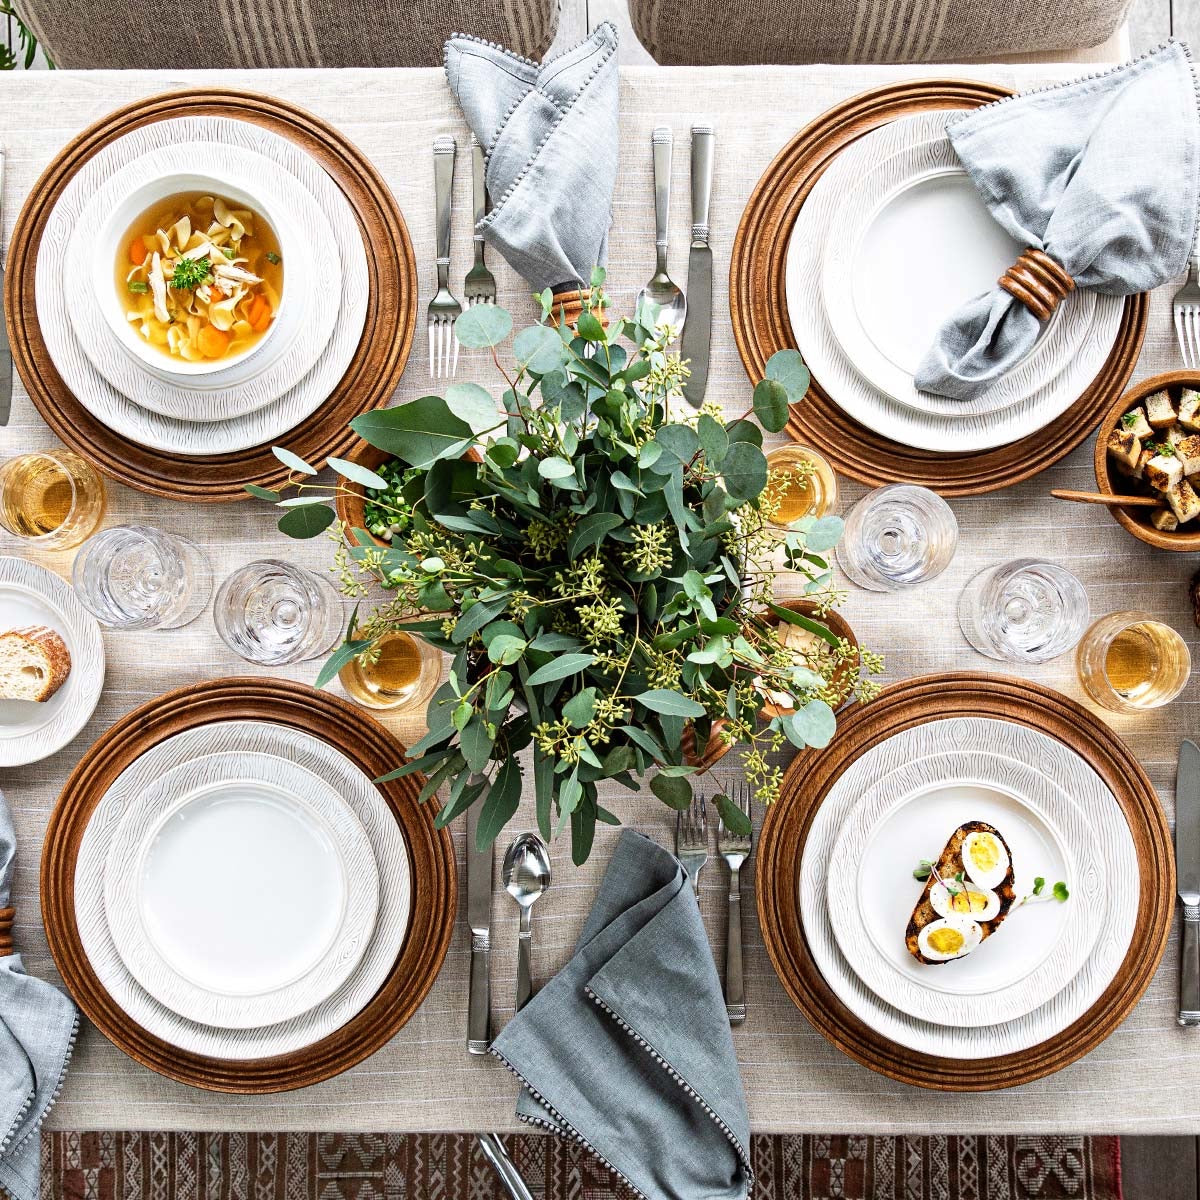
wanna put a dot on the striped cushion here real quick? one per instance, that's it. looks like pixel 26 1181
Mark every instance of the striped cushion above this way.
pixel 278 33
pixel 679 32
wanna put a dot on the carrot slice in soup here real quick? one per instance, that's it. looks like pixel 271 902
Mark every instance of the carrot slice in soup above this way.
pixel 137 252
pixel 213 342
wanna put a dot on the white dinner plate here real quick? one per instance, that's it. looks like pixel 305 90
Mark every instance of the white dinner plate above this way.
pixel 960 429
pixel 908 816
pixel 241 890
pixel 305 322
pixel 118 412
pixel 1114 848
pixel 387 843
pixel 31 595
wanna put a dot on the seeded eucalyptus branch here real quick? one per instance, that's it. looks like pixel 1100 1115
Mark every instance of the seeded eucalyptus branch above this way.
pixel 602 575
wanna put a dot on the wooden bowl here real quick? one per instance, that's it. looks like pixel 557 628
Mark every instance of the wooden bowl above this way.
pixel 838 626
pixel 1137 520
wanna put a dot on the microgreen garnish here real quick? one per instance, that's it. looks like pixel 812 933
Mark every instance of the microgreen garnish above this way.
pixel 1037 895
pixel 1129 420
pixel 1060 892
pixel 923 869
pixel 1164 448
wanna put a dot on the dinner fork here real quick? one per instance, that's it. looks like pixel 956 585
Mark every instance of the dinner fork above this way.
pixel 735 848
pixel 691 840
pixel 443 308
pixel 480 286
pixel 1186 309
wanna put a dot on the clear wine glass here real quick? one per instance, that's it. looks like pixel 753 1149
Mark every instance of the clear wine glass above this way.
pixel 140 577
pixel 897 536
pixel 1027 610
pixel 273 612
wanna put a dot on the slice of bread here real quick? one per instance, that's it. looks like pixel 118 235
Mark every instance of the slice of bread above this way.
pixel 949 863
pixel 34 663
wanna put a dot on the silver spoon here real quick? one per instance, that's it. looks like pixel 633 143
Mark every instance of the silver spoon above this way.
pixel 526 876
pixel 662 290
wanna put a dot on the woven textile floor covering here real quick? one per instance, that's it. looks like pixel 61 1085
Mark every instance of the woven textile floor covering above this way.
pixel 432 1166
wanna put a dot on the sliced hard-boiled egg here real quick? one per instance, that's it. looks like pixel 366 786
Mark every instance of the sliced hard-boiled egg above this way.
pixel 967 901
pixel 949 938
pixel 985 859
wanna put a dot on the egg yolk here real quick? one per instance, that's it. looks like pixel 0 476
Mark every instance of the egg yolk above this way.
pixel 946 940
pixel 985 852
pixel 968 902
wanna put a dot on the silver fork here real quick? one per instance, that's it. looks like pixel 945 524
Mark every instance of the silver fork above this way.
pixel 443 308
pixel 480 286
pixel 735 848
pixel 1186 309
pixel 691 840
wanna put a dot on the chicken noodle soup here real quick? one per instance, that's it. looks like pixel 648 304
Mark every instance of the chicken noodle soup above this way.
pixel 200 277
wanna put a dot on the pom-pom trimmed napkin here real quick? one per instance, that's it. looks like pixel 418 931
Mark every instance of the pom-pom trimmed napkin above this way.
pixel 1100 179
pixel 549 134
pixel 628 1050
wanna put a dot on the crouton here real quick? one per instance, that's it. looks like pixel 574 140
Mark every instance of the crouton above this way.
pixel 1163 471
pixel 1164 519
pixel 1184 502
pixel 1160 412
pixel 1125 448
pixel 1188 453
pixel 1189 410
pixel 1134 421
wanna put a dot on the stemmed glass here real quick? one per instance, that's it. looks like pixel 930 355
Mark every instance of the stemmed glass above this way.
pixel 897 536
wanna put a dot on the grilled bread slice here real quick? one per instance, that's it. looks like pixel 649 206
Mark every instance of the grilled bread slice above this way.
pixel 34 663
pixel 949 863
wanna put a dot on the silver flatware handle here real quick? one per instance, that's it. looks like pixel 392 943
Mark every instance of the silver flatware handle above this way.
pixel 525 959
pixel 703 145
pixel 661 141
pixel 6 364
pixel 735 988
pixel 443 187
pixel 478 195
pixel 1189 967
pixel 479 1012
pixel 494 1151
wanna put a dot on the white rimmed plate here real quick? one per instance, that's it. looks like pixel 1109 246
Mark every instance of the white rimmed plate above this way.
pixel 241 890
pixel 1114 848
pixel 387 842
pixel 154 430
pixel 908 816
pixel 305 326
pixel 960 430
pixel 32 595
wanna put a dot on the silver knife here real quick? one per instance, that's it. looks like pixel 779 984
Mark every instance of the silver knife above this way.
pixel 6 370
pixel 479 917
pixel 697 326
pixel 1187 866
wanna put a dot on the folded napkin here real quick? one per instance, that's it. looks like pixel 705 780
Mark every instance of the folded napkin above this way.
pixel 1102 175
pixel 550 136
pixel 37 1034
pixel 628 1050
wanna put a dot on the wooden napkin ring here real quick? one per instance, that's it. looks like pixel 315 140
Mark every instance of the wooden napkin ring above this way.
pixel 6 924
pixel 1038 282
pixel 570 306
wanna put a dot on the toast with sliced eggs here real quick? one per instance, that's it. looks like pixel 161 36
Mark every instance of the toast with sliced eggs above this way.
pixel 968 894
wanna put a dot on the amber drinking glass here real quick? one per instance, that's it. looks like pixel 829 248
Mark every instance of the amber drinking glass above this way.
pixel 811 485
pixel 51 498
pixel 1129 662
pixel 401 671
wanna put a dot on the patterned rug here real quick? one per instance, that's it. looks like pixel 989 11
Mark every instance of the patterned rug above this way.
pixel 369 1166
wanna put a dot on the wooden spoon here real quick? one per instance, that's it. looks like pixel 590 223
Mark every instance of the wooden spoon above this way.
pixel 1104 498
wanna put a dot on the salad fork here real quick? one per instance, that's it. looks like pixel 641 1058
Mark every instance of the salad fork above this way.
pixel 444 309
pixel 691 840
pixel 480 286
pixel 1186 310
pixel 735 848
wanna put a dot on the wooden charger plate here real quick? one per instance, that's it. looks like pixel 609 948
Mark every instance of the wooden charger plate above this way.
pixel 900 707
pixel 370 379
pixel 373 750
pixel 758 307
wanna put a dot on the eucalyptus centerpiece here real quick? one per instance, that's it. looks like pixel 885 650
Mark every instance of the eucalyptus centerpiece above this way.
pixel 599 559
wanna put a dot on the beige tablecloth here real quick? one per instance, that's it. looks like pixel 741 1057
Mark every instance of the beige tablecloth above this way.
pixel 1144 1079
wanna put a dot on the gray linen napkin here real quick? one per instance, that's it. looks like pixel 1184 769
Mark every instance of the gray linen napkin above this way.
pixel 550 136
pixel 628 1050
pixel 37 1035
pixel 1102 174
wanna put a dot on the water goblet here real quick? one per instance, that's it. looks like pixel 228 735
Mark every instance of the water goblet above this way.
pixel 897 536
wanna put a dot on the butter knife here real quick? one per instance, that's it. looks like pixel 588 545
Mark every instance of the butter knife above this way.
pixel 697 327
pixel 6 367
pixel 479 917
pixel 1187 866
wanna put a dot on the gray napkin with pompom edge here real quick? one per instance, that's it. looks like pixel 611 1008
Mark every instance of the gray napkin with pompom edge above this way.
pixel 1103 174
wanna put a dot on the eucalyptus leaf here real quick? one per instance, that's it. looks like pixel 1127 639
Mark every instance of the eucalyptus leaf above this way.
pixel 293 461
pixel 482 326
pixel 357 473
pixel 560 668
pixel 345 653
pixel 824 533
pixel 736 821
pixel 590 532
pixel 500 805
pixel 670 703
pixel 771 405
pixel 306 522
pixel 673 790
pixel 418 433
pixel 474 405
pixel 744 471
pixel 786 367
pixel 538 349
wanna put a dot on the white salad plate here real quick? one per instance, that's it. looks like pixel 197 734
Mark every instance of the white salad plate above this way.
pixel 908 816
pixel 1116 889
pixel 129 419
pixel 241 890
pixel 32 595
pixel 978 424
pixel 304 324
pixel 390 854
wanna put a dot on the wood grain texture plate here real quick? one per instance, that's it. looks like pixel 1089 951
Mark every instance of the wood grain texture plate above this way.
pixel 374 751
pixel 369 381
pixel 903 706
pixel 758 308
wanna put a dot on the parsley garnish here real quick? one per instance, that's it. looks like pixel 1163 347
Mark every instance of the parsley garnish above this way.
pixel 190 273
